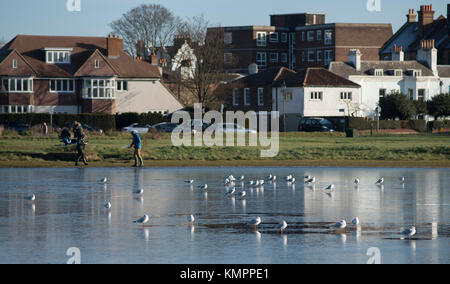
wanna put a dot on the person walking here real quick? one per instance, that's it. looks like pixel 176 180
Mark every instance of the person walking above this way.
pixel 137 145
pixel 81 140
pixel 45 129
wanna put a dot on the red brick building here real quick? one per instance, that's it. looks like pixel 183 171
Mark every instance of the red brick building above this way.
pixel 78 75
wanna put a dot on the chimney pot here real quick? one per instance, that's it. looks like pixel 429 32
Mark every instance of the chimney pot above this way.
pixel 114 45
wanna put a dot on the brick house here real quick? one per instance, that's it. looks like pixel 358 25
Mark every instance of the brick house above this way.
pixel 78 75
pixel 421 27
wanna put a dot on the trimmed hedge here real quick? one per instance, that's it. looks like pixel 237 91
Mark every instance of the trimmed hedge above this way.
pixel 126 119
pixel 364 124
pixel 438 124
pixel 98 120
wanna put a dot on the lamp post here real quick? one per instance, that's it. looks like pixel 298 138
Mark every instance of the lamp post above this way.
pixel 377 112
pixel 283 91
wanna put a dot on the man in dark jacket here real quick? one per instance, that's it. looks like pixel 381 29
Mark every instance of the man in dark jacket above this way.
pixel 81 143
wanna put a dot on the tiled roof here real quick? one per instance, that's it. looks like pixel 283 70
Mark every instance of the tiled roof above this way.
pixel 444 71
pixel 31 48
pixel 346 69
pixel 266 77
pixel 315 77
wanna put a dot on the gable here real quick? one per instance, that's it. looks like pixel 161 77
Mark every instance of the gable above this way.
pixel 23 68
pixel 89 69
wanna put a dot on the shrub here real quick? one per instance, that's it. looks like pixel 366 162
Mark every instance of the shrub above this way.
pixel 397 106
pixel 1 130
pixel 439 106
pixel 126 119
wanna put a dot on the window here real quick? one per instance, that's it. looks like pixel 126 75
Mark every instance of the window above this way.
pixel 16 109
pixel 287 96
pixel 311 55
pixel 284 57
pixel 99 89
pixel 303 56
pixel 235 97
pixel 274 37
pixel 417 73
pixel 62 86
pixel 398 73
pixel 122 85
pixel 411 94
pixel 14 64
pixel 274 57
pixel 228 58
pixel 247 96
pixel 261 59
pixel 421 95
pixel 328 39
pixel 382 93
pixel 228 38
pixel 261 39
pixel 303 36
pixel 16 85
pixel 311 36
pixel 316 96
pixel 319 35
pixel 97 64
pixel 378 72
pixel 284 37
pixel 58 56
pixel 319 56
pixel 346 96
pixel 328 56
pixel 260 96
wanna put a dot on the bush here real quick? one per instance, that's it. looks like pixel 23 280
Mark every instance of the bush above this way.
pixel 1 130
pixel 397 106
pixel 438 124
pixel 439 106
pixel 126 119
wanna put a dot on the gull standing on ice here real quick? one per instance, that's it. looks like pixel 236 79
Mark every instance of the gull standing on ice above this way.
pixel 311 180
pixel 340 225
pixel 410 232
pixel 380 181
pixel 108 205
pixel 139 191
pixel 189 181
pixel 31 197
pixel 143 220
pixel 241 195
pixel 103 180
pixel 191 219
pixel 231 191
pixel 355 221
pixel 357 181
pixel 203 187
pixel 255 222
pixel 281 227
pixel 330 187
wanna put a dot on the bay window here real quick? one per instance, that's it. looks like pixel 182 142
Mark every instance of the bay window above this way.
pixel 99 89
pixel 16 85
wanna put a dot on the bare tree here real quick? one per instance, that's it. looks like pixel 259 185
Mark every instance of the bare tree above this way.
pixel 155 25
pixel 209 71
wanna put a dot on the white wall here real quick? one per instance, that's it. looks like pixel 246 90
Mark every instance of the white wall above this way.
pixel 146 96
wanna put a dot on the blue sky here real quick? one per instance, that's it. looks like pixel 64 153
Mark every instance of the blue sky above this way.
pixel 50 17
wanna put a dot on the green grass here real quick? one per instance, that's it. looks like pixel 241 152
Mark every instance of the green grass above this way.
pixel 416 150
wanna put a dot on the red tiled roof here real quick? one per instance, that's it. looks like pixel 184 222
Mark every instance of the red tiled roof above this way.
pixel 315 77
pixel 30 47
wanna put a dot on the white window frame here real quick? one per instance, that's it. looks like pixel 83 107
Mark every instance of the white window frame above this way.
pixel 284 37
pixel 411 94
pixel 319 56
pixel 70 86
pixel 98 86
pixel 228 38
pixel 311 56
pixel 303 36
pixel 422 97
pixel 120 85
pixel 247 98
pixel 261 39
pixel 284 57
pixel 328 37
pixel 14 81
pixel 273 37
pixel 274 57
pixel 316 96
pixel 97 64
pixel 16 109
pixel 56 56
pixel 261 59
pixel 346 96
pixel 380 91
pixel 328 56
pixel 235 97
pixel 311 35
pixel 14 64
pixel 319 35
pixel 260 96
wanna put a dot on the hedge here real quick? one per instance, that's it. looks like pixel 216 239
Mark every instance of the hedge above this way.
pixel 438 124
pixel 364 124
pixel 126 119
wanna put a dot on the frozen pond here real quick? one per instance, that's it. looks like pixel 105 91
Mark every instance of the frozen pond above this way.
pixel 69 212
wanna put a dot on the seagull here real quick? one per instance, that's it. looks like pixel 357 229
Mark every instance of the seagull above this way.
pixel 31 197
pixel 282 226
pixel 241 195
pixel 357 181
pixel 108 205
pixel 250 183
pixel 274 179
pixel 261 182
pixel 142 220
pixel 311 180
pixel 330 187
pixel 103 180
pixel 340 225
pixel 189 181
pixel 380 181
pixel 355 221
pixel 231 178
pixel 139 191
pixel 293 180
pixel 307 177
pixel 203 187
pixel 241 179
pixel 255 222
pixel 269 177
pixel 231 191
pixel 288 178
pixel 410 232
pixel 191 219
pixel 402 179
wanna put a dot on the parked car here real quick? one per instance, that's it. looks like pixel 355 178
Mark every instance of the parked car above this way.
pixel 139 128
pixel 18 126
pixel 230 127
pixel 316 125
pixel 166 127
pixel 91 128
pixel 203 124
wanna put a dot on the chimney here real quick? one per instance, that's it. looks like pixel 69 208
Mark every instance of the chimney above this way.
pixel 114 46
pixel 140 48
pixel 398 54
pixel 411 17
pixel 154 60
pixel 427 54
pixel 354 57
pixel 426 17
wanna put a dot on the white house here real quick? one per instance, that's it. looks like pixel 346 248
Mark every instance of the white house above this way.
pixel 421 79
pixel 185 62
pixel 315 92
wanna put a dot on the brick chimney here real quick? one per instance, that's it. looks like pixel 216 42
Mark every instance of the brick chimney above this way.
pixel 354 57
pixel 426 17
pixel 428 54
pixel 411 17
pixel 154 60
pixel 114 46
pixel 398 54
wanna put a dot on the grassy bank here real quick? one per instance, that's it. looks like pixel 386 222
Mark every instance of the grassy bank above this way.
pixel 296 149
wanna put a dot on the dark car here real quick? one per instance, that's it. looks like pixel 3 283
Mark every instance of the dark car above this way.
pixel 18 126
pixel 316 125
pixel 91 128
pixel 166 127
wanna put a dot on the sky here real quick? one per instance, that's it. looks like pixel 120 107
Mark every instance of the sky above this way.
pixel 51 17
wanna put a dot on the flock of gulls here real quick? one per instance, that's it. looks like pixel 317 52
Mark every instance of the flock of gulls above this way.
pixel 231 192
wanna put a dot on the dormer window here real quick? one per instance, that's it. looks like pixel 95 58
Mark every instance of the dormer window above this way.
pixel 378 72
pixel 14 64
pixel 398 73
pixel 97 64
pixel 58 55
pixel 415 73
